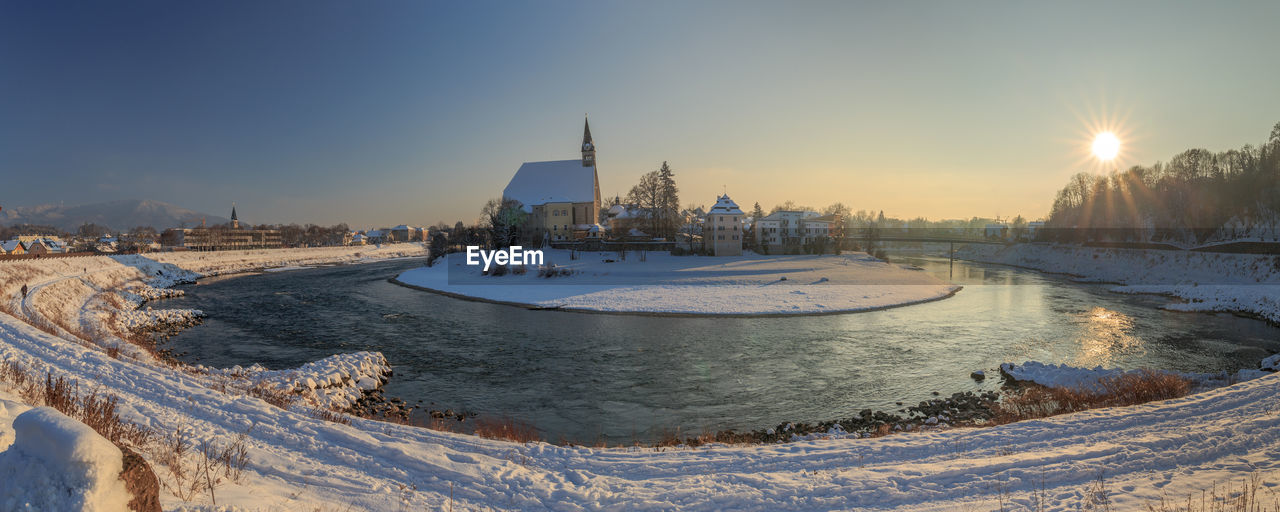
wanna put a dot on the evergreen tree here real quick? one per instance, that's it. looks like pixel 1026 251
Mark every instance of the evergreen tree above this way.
pixel 757 213
pixel 668 202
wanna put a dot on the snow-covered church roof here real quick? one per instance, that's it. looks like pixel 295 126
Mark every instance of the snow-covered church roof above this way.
pixel 564 181
pixel 725 206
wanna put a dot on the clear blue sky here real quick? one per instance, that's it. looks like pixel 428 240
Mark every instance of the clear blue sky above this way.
pixel 379 113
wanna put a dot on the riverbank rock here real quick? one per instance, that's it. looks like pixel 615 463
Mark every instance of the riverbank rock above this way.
pixel 1271 364
pixel 978 375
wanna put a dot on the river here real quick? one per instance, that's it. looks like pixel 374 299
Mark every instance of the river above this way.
pixel 586 378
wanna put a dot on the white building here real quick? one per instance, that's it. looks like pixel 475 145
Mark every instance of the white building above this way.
pixel 794 228
pixel 722 233
pixel 768 231
pixel 1033 228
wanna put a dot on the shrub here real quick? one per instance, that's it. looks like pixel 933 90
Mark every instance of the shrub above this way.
pixel 506 428
pixel 1128 389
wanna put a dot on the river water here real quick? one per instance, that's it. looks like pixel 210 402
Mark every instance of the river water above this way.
pixel 589 377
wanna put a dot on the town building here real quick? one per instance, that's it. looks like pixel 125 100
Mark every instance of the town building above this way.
pixel 722 232
pixel 995 230
pixel 768 232
pixel 790 230
pixel 562 197
pixel 1033 229
pixel 403 233
pixel 12 248
pixel 221 238
pixel 48 244
pixel 36 247
pixel 624 218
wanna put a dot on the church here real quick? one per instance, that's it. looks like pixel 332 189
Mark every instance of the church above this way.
pixel 561 196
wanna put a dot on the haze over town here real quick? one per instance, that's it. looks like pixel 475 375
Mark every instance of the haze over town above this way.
pixel 418 112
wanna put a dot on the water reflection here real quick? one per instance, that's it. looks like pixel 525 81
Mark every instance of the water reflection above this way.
pixel 1106 337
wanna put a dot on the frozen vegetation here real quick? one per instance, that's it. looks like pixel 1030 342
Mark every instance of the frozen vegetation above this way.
pixel 1126 458
pixel 1238 283
pixel 657 282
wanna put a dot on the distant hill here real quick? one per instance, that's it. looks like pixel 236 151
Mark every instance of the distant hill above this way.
pixel 116 215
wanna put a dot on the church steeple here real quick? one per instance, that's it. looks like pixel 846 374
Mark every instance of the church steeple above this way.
pixel 235 221
pixel 588 147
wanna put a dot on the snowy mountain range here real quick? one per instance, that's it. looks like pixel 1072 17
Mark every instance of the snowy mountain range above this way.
pixel 116 215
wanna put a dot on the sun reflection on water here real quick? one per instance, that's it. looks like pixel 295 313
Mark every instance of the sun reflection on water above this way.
pixel 1105 336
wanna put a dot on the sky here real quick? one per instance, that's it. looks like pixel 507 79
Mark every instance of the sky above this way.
pixel 389 112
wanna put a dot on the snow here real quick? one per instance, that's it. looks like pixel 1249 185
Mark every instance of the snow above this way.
pixel 562 181
pixel 335 382
pixel 1241 283
pixel 748 285
pixel 725 206
pixel 297 462
pixel 1064 376
pixel 1271 363
pixel 56 463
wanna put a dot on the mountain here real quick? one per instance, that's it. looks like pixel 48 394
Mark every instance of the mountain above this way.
pixel 116 215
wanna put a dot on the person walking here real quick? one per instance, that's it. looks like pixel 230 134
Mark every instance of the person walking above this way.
pixel 24 291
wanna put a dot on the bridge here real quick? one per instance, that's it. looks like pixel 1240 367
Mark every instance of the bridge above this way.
pixel 932 239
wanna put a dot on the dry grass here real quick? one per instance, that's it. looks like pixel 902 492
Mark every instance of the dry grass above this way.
pixel 330 416
pixel 273 395
pixel 191 470
pixel 1129 389
pixel 1251 496
pixel 93 409
pixel 506 428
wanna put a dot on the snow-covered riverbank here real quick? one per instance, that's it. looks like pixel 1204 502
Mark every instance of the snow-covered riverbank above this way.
pixel 299 462
pixel 697 285
pixel 1240 283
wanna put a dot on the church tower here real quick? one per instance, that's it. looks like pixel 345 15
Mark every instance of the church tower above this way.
pixel 235 221
pixel 588 147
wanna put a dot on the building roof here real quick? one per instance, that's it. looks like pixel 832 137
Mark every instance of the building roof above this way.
pixel 725 206
pixel 565 181
pixel 10 245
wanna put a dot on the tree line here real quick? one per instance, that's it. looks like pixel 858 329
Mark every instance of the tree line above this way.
pixel 1196 197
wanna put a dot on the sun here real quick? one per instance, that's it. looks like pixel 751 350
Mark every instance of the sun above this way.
pixel 1106 146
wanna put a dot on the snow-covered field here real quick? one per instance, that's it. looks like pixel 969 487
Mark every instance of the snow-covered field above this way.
pixel 1243 283
pixel 750 285
pixel 297 462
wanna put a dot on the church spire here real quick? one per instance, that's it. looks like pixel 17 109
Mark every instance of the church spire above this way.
pixel 588 147
pixel 235 221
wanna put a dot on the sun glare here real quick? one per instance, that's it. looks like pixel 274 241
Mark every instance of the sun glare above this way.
pixel 1106 146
